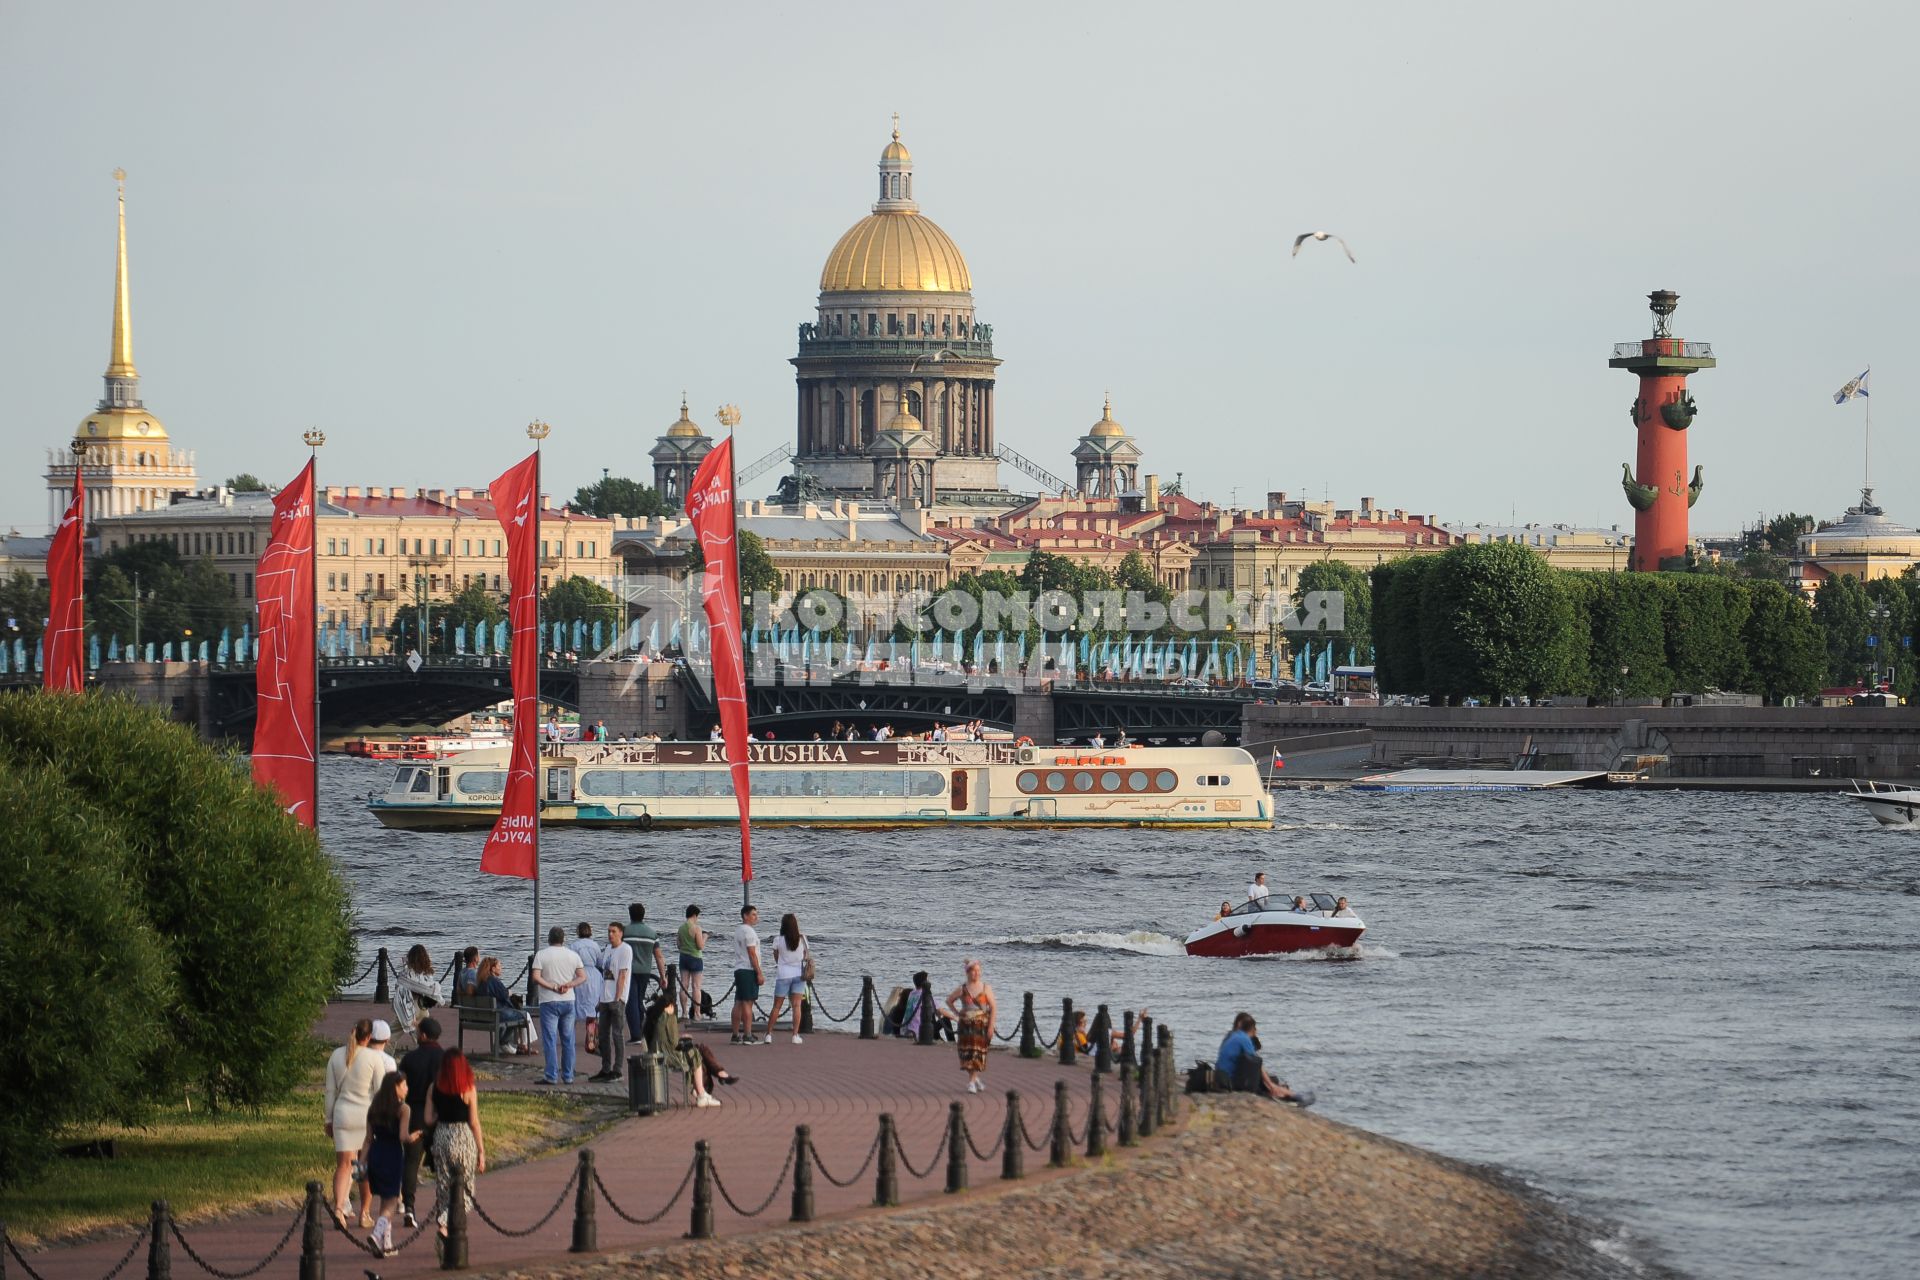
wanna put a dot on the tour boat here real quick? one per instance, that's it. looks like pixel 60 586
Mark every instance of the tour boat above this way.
pixel 1270 926
pixel 897 783
pixel 422 746
pixel 1890 806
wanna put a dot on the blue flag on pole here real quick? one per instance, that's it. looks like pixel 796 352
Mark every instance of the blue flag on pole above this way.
pixel 1855 389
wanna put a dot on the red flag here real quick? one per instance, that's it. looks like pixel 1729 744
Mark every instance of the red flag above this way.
pixel 62 665
pixel 513 847
pixel 284 732
pixel 710 510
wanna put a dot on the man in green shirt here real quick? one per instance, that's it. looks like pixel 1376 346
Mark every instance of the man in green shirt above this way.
pixel 647 964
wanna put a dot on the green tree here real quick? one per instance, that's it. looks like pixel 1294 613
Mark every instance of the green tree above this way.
pixel 1840 607
pixel 1399 645
pixel 1356 590
pixel 758 573
pixel 1705 619
pixel 246 482
pixel 1786 648
pixel 24 604
pixel 473 605
pixel 176 596
pixel 583 600
pixel 618 496
pixel 96 1015
pixel 250 915
pixel 1045 571
pixel 1496 622
pixel 1625 636
pixel 1782 533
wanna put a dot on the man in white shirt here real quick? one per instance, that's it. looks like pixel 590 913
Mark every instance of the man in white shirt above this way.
pixel 1257 891
pixel 556 972
pixel 746 976
pixel 586 996
pixel 1097 742
pixel 616 966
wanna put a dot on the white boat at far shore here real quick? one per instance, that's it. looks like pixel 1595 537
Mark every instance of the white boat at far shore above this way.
pixel 1890 806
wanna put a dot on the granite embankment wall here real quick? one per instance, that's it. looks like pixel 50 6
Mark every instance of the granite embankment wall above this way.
pixel 1679 742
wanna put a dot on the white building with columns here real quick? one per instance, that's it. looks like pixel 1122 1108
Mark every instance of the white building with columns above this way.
pixel 126 459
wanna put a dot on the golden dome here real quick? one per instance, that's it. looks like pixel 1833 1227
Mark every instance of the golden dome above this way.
pixel 895 252
pixel 896 151
pixel 121 424
pixel 1107 426
pixel 686 427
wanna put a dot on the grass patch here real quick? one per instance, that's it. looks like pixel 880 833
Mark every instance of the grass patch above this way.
pixel 210 1166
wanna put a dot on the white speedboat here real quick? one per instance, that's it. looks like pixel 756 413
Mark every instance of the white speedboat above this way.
pixel 1890 806
pixel 1270 927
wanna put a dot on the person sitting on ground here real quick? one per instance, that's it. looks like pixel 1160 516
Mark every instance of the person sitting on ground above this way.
pixel 910 1017
pixel 1239 1062
pixel 513 1019
pixel 664 1038
pixel 1341 911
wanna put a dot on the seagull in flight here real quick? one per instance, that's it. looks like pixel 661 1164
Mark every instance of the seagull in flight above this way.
pixel 1305 236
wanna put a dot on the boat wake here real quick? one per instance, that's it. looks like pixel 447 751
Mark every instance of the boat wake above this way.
pixel 1143 942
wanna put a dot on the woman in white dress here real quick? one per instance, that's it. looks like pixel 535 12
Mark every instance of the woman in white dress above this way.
pixel 354 1073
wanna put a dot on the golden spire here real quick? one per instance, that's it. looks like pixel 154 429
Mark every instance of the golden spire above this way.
pixel 1107 426
pixel 120 358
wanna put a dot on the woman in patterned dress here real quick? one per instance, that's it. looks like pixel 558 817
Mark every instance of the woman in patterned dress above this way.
pixel 973 1008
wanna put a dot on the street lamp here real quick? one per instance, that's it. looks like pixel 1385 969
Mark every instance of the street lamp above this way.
pixel 1879 615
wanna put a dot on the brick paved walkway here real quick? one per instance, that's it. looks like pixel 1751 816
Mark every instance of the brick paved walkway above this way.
pixel 835 1083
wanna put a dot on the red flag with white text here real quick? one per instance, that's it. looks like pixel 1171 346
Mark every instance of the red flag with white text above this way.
pixel 285 734
pixel 513 846
pixel 62 664
pixel 710 510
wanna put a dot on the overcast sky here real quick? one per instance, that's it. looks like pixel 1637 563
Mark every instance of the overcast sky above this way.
pixel 419 225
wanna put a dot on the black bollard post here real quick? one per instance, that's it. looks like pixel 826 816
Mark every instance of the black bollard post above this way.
pixel 1062 1152
pixel 886 1189
pixel 702 1226
pixel 1102 1042
pixel 1012 1144
pixel 1029 1029
pixel 806 1011
pixel 453 1250
pixel 869 1030
pixel 313 1236
pixel 1125 1134
pixel 1166 1074
pixel 533 992
pixel 159 1248
pixel 586 1232
pixel 1066 1031
pixel 926 1013
pixel 380 995
pixel 802 1174
pixel 956 1147
pixel 1097 1120
pixel 1143 1116
pixel 1126 1039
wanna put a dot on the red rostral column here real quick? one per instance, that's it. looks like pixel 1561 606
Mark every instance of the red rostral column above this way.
pixel 1657 485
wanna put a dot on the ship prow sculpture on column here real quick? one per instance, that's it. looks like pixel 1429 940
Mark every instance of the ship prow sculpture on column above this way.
pixel 1656 482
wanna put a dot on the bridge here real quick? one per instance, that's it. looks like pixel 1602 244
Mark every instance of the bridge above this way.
pixel 676 700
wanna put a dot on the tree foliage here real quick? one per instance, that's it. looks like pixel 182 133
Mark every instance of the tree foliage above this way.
pixel 1497 622
pixel 246 482
pixel 1399 645
pixel 1786 653
pixel 579 599
pixel 23 608
pixel 758 573
pixel 155 836
pixel 613 496
pixel 1356 589
pixel 175 596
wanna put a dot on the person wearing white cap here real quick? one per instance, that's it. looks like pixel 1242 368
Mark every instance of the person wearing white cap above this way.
pixel 354 1073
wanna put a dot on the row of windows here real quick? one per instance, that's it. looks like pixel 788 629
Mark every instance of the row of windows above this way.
pixel 1084 781
pixel 204 544
pixel 894 783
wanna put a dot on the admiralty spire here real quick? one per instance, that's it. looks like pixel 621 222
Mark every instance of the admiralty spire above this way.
pixel 129 462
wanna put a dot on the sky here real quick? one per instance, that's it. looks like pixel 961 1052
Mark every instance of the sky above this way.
pixel 418 226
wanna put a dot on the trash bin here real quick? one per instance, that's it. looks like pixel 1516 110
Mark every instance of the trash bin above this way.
pixel 646 1083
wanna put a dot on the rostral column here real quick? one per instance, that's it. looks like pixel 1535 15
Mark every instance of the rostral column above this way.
pixel 1657 484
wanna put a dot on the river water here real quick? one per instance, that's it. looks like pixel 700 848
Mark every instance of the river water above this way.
pixel 1693 1016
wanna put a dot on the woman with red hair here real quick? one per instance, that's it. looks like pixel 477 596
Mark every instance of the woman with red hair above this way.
pixel 453 1113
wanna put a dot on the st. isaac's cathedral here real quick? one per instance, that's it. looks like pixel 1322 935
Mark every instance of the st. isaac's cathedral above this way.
pixel 895 379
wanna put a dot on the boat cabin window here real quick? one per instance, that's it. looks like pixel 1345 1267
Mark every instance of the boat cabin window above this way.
pixel 1215 780
pixel 1058 781
pixel 479 782
pixel 768 783
pixel 1325 901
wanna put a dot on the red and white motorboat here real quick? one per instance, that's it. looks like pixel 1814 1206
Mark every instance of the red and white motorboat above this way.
pixel 1273 926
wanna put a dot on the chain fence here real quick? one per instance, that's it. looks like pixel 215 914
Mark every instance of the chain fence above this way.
pixel 858 1174
pixel 544 1219
pixel 779 1182
pixel 173 1229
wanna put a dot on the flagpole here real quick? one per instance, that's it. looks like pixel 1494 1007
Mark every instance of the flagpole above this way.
pixel 314 438
pixel 537 431
pixel 1867 478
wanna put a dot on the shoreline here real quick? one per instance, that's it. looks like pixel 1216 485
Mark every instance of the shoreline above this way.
pixel 1239 1188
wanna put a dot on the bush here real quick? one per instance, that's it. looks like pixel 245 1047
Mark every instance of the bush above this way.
pixel 83 978
pixel 1496 621
pixel 252 920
